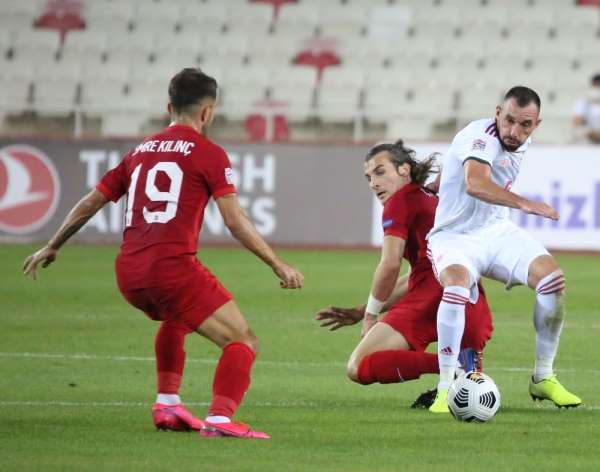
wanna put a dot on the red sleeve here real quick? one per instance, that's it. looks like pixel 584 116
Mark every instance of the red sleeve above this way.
pixel 114 183
pixel 396 218
pixel 218 173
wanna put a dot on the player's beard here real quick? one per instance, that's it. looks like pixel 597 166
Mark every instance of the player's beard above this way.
pixel 510 147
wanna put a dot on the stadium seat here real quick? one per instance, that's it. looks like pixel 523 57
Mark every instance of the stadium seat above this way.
pixel 336 21
pixel 339 94
pixel 249 19
pixel 15 95
pixel 108 17
pixel 367 52
pixel 476 101
pixel 155 16
pixel 131 44
pixel 82 43
pixel 146 97
pixel 408 127
pixel 232 48
pixel 554 130
pixel 442 16
pixel 274 50
pixel 205 19
pixel 242 88
pixel 101 95
pixel 389 22
pixel 20 69
pixel 54 96
pixel 298 19
pixel 384 101
pixel 36 42
pixel 294 86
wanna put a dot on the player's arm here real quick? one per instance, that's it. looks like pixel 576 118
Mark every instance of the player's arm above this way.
pixel 479 184
pixel 87 207
pixel 243 230
pixel 335 317
pixel 384 279
pixel 399 291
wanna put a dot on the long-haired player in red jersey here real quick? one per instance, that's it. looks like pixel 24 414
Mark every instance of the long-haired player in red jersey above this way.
pixel 169 179
pixel 393 349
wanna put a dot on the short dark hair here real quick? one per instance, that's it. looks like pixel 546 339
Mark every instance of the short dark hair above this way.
pixel 524 96
pixel 189 87
pixel 399 154
pixel 596 78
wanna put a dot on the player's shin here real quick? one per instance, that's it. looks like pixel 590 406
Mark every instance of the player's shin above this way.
pixel 396 366
pixel 548 315
pixel 450 327
pixel 170 360
pixel 232 379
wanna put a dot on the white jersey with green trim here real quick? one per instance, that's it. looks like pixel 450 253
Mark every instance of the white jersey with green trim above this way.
pixel 457 211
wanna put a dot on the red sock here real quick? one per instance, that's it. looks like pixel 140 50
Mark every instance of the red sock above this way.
pixel 170 356
pixel 396 366
pixel 232 378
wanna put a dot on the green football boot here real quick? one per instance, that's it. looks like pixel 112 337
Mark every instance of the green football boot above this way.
pixel 551 389
pixel 440 405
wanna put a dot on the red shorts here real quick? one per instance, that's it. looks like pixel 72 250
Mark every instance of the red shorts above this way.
pixel 415 317
pixel 185 291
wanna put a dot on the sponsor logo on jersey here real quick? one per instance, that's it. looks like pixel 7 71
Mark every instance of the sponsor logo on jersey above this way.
pixel 478 145
pixel 387 223
pixel 29 189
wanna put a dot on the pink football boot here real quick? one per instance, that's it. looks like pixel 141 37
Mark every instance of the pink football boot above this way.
pixel 175 418
pixel 233 430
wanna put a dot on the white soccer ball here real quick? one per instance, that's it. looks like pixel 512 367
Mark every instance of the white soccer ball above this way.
pixel 473 397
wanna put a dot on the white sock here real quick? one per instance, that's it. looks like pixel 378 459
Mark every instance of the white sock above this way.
pixel 168 399
pixel 450 328
pixel 548 317
pixel 218 419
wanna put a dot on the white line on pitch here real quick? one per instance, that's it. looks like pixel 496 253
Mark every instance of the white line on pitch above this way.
pixel 93 357
pixel 295 404
pixel 146 404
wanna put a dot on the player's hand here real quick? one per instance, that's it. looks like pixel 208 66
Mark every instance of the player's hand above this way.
pixel 46 256
pixel 368 322
pixel 290 276
pixel 334 317
pixel 540 208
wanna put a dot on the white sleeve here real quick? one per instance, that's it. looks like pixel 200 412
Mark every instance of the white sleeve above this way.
pixel 580 108
pixel 477 145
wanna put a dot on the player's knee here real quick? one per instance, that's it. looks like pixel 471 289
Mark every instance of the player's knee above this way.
pixel 355 371
pixel 252 342
pixel 352 371
pixel 553 283
pixel 455 275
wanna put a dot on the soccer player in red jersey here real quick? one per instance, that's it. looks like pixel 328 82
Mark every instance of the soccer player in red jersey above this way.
pixel 393 350
pixel 169 179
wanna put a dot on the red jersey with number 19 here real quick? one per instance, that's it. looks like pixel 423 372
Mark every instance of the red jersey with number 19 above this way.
pixel 168 179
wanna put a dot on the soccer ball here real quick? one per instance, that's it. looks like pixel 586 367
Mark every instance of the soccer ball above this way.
pixel 473 397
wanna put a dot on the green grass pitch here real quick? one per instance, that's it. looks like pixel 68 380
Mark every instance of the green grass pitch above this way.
pixel 77 378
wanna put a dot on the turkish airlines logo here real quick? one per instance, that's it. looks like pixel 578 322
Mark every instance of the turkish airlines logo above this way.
pixel 29 189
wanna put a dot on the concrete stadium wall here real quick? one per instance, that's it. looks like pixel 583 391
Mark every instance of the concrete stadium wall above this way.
pixel 295 193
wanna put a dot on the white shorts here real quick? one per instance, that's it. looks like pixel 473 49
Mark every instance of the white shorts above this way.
pixel 501 251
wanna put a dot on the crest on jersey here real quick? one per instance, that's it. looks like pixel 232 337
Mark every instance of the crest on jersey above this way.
pixel 478 145
pixel 229 175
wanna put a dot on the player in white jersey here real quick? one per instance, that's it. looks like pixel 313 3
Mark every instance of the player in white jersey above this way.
pixel 473 236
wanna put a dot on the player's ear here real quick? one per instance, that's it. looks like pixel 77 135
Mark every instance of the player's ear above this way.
pixel 498 110
pixel 404 169
pixel 169 108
